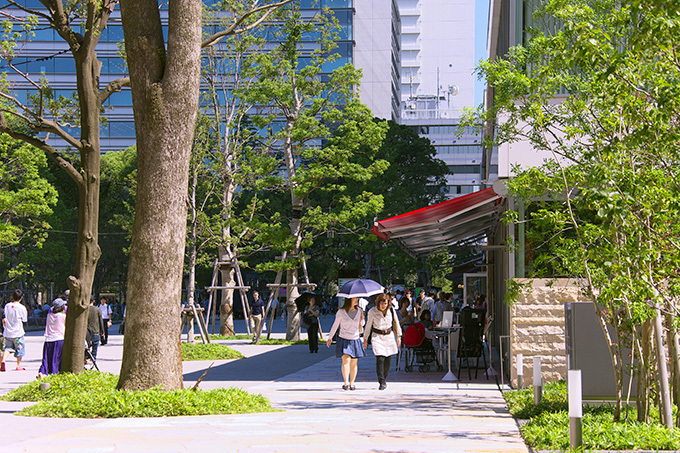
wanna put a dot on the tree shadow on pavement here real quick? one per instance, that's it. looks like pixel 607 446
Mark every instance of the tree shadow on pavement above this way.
pixel 268 366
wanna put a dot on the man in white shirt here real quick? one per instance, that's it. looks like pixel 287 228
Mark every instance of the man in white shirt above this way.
pixel 438 312
pixel 428 303
pixel 106 317
pixel 395 301
pixel 13 323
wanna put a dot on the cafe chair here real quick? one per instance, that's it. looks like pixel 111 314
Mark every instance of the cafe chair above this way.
pixel 419 349
pixel 471 341
pixel 404 354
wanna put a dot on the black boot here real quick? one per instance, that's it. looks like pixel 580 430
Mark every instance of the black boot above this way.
pixel 380 371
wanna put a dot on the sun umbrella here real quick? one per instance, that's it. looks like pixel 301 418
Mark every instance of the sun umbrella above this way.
pixel 302 300
pixel 360 287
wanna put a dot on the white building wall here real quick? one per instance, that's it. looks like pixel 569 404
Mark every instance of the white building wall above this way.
pixel 523 154
pixel 438 51
pixel 374 23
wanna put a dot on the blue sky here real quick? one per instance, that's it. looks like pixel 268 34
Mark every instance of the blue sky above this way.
pixel 481 27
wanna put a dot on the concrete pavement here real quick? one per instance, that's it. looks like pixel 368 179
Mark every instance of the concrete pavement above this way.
pixel 417 413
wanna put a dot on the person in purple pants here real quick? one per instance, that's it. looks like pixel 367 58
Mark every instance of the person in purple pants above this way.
pixel 54 339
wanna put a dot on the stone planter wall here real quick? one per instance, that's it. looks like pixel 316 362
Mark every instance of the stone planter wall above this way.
pixel 537 327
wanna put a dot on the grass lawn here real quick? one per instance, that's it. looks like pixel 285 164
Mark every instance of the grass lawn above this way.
pixel 263 341
pixel 209 351
pixel 92 394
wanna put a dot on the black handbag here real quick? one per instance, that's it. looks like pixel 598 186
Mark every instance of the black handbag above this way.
pixel 307 321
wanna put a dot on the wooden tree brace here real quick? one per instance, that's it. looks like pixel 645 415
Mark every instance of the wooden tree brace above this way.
pixel 299 285
pixel 214 288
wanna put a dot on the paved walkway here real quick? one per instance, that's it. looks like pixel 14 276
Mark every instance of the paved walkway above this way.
pixel 417 413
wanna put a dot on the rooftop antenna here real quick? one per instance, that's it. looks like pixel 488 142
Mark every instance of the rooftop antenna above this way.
pixel 437 113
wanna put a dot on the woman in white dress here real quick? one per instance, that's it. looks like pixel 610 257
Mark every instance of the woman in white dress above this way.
pixel 348 319
pixel 383 326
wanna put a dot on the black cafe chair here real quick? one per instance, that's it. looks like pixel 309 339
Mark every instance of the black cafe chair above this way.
pixel 471 340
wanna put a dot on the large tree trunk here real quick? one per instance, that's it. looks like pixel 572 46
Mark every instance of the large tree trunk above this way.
pixel 227 302
pixel 643 394
pixel 87 251
pixel 293 322
pixel 165 88
pixel 615 356
pixel 666 409
pixel 192 255
pixel 674 352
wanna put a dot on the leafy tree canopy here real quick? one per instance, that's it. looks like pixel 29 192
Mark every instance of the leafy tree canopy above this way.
pixel 597 85
pixel 26 201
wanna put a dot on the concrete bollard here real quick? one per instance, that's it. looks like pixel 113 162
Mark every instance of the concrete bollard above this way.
pixel 520 371
pixel 538 381
pixel 575 409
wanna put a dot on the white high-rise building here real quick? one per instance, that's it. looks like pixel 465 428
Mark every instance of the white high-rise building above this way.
pixel 377 53
pixel 439 53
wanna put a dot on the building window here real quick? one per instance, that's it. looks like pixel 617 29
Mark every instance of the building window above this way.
pixel 471 150
pixel 464 169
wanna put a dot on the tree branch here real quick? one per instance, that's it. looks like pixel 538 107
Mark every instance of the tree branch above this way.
pixel 52 126
pixel 30 11
pixel 40 144
pixel 18 104
pixel 40 124
pixel 233 28
pixel 113 87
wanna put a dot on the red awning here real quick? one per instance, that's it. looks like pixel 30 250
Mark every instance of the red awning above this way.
pixel 443 224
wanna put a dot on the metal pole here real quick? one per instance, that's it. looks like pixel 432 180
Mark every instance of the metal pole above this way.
pixel 500 344
pixel 520 371
pixel 575 409
pixel 538 381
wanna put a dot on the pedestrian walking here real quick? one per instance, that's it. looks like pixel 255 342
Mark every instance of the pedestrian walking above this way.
pixel 15 317
pixel 95 326
pixel 311 318
pixel 55 326
pixel 348 321
pixel 107 315
pixel 382 325
pixel 256 313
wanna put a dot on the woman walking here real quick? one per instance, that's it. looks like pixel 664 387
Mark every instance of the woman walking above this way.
pixel 383 326
pixel 55 326
pixel 311 316
pixel 348 319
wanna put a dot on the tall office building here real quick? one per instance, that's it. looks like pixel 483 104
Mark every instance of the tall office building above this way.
pixel 440 49
pixel 46 54
pixel 377 29
pixel 438 52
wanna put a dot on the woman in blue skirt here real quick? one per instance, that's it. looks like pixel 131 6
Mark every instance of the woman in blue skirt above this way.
pixel 349 320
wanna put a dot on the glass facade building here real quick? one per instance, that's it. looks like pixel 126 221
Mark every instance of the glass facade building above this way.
pixel 47 56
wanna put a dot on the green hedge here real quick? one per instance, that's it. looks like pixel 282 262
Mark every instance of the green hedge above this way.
pixel 92 394
pixel 547 427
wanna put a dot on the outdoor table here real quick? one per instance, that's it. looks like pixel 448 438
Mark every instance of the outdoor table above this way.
pixel 450 330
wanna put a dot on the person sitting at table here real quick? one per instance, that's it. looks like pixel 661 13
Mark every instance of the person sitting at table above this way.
pixel 417 336
pixel 480 302
pixel 404 314
pixel 426 319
